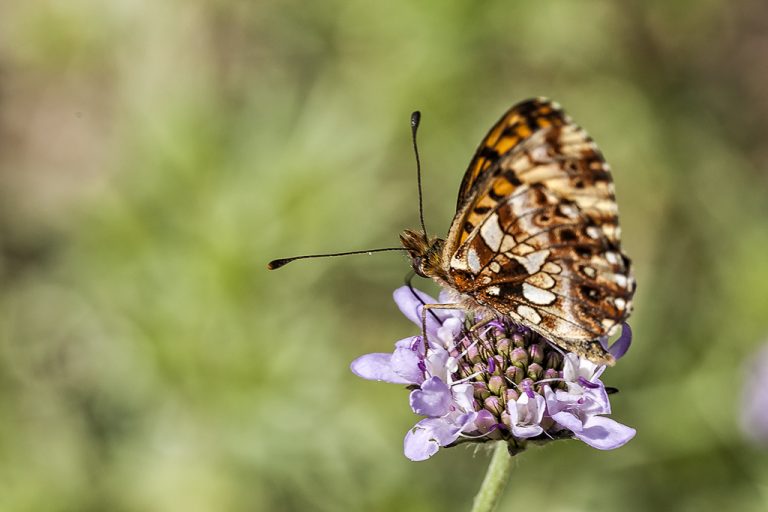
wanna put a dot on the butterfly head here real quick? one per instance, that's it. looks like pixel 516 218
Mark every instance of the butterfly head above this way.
pixel 425 254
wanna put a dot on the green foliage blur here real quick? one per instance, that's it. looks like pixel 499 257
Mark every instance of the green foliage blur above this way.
pixel 155 155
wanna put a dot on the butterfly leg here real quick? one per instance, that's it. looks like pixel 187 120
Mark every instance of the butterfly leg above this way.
pixel 426 308
pixel 476 327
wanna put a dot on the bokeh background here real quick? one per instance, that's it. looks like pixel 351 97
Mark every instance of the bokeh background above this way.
pixel 155 155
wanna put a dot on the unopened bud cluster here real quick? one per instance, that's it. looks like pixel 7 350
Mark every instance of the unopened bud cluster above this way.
pixel 503 359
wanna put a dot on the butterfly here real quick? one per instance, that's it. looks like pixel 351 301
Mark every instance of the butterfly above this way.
pixel 536 235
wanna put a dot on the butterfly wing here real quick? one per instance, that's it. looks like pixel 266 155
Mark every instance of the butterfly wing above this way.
pixel 537 235
pixel 516 125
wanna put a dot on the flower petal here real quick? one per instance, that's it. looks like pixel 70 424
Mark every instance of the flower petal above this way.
pixel 376 367
pixel 568 420
pixel 433 399
pixel 437 363
pixel 754 401
pixel 604 433
pixel 419 444
pixel 596 401
pixel 559 400
pixel 428 435
pixel 526 414
pixel 463 395
pixel 524 431
pixel 539 408
pixel 447 334
pixel 447 429
pixel 621 345
pixel 405 364
pixel 411 342
pixel 411 301
pixel 445 296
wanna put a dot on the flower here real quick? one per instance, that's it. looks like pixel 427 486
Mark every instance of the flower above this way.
pixel 526 413
pixel 754 409
pixel 479 379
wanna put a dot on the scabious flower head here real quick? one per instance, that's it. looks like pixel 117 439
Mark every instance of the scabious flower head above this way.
pixel 481 379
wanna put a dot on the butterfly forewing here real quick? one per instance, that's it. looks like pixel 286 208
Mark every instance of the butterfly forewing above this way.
pixel 536 233
pixel 519 123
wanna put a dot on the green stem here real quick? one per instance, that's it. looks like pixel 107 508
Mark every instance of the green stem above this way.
pixel 495 479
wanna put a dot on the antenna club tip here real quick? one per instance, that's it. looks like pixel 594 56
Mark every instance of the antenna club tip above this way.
pixel 275 264
pixel 415 118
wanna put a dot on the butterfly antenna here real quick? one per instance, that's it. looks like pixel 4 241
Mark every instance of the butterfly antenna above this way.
pixel 408 282
pixel 275 264
pixel 415 120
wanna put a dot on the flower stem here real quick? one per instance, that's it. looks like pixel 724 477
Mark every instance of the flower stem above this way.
pixel 495 479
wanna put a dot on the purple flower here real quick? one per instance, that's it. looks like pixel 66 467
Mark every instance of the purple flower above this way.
pixel 754 410
pixel 526 413
pixel 498 381
pixel 581 414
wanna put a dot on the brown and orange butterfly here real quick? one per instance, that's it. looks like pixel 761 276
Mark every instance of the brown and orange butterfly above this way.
pixel 536 233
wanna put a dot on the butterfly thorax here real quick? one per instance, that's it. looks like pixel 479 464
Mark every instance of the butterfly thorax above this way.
pixel 425 254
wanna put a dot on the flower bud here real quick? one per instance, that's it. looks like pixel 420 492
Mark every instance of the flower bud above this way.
pixel 494 405
pixel 497 385
pixel 481 390
pixel 535 371
pixel 536 352
pixel 473 354
pixel 503 346
pixel 514 374
pixel 519 357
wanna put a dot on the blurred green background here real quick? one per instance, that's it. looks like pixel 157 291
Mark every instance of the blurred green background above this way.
pixel 155 155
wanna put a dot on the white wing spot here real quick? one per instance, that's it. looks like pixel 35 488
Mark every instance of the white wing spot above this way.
pixel 593 232
pixel 620 303
pixel 473 260
pixel 493 290
pixel 539 154
pixel 538 295
pixel 458 263
pixel 528 313
pixel 542 280
pixel 589 271
pixel 612 257
pixel 569 210
pixel 495 267
pixel 533 261
pixel 552 268
pixel 507 243
pixel 491 232
pixel 523 249
pixel 620 279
